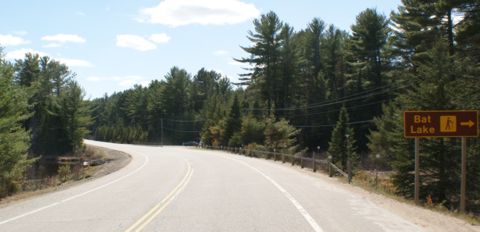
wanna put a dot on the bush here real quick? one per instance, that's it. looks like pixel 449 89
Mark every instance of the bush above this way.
pixel 64 173
pixel 281 136
pixel 252 130
pixel 235 140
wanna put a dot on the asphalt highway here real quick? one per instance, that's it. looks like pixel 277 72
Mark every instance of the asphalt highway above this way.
pixel 187 189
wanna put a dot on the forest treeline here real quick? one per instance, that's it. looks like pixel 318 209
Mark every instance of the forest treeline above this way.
pixel 42 114
pixel 344 91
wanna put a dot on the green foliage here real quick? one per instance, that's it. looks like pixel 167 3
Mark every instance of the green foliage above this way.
pixel 59 115
pixel 431 92
pixel 417 59
pixel 252 130
pixel 235 140
pixel 265 56
pixel 75 115
pixel 280 136
pixel 234 121
pixel 387 140
pixel 342 143
pixel 14 139
pixel 64 173
pixel 367 46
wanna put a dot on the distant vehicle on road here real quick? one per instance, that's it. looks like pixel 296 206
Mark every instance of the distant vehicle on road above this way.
pixel 190 143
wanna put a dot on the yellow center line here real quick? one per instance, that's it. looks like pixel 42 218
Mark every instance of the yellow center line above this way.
pixel 157 209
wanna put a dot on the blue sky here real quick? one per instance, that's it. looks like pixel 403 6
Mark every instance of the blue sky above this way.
pixel 113 44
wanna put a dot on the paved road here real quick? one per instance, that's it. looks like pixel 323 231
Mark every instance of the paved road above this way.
pixel 185 189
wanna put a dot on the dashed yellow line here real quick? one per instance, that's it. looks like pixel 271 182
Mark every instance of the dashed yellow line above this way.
pixel 150 215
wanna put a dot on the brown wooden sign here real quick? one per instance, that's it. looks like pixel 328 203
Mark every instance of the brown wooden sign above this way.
pixel 461 123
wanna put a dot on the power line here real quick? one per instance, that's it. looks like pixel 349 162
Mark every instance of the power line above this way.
pixel 181 131
pixel 336 110
pixel 186 121
pixel 332 125
pixel 348 98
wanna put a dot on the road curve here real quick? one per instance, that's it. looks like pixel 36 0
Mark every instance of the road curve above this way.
pixel 186 189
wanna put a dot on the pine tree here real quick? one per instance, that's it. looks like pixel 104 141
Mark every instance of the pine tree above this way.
pixel 265 56
pixel 467 33
pixel 14 139
pixel 439 168
pixel 252 130
pixel 234 121
pixel 369 61
pixel 280 136
pixel 333 45
pixel 342 143
pixel 75 115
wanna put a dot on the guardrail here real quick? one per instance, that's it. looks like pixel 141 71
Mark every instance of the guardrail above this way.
pixel 314 163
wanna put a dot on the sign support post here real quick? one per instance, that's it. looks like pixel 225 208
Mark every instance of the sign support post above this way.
pixel 417 171
pixel 463 187
pixel 439 124
pixel 161 132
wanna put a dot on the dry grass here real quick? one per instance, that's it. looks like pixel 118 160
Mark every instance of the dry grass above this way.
pixel 384 186
pixel 65 175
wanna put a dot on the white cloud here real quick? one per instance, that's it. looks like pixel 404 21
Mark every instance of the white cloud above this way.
pixel 20 54
pixel 64 38
pixel 159 38
pixel 220 52
pixel 176 13
pixel 75 62
pixel 11 40
pixel 52 45
pixel 80 13
pixel 123 81
pixel 135 42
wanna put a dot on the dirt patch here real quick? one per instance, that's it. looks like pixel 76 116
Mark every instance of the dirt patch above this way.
pixel 113 160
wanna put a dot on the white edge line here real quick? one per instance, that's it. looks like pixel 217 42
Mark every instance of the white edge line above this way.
pixel 289 196
pixel 78 195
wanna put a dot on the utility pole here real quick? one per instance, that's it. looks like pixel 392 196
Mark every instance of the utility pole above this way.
pixel 349 161
pixel 161 132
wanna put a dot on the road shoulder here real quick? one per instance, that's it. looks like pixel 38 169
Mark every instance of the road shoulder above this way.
pixel 114 161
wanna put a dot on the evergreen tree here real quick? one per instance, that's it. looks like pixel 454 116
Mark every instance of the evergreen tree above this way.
pixel 75 115
pixel 439 169
pixel 333 45
pixel 234 121
pixel 369 60
pixel 280 136
pixel 252 130
pixel 265 56
pixel 368 44
pixel 14 139
pixel 342 143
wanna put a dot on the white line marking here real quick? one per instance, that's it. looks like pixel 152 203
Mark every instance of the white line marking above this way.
pixel 146 160
pixel 289 196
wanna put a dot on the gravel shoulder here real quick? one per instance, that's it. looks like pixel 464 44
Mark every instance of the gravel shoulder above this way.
pixel 428 220
pixel 114 161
